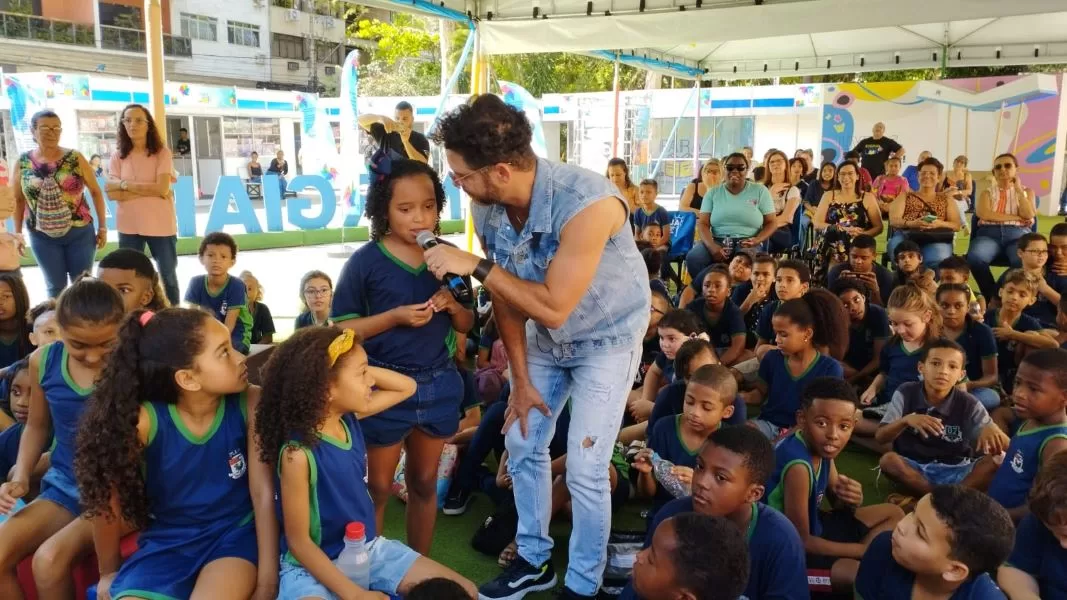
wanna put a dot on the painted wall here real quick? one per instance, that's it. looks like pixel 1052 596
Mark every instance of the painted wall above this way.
pixel 68 10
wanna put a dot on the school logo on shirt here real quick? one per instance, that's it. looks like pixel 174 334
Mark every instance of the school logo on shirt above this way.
pixel 1017 462
pixel 224 308
pixel 952 434
pixel 238 467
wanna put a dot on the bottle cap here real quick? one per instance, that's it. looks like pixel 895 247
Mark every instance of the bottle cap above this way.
pixel 355 530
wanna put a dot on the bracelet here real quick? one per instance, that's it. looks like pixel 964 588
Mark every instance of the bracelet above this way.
pixel 482 270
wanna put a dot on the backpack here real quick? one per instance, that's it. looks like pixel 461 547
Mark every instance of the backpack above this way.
pixel 51 212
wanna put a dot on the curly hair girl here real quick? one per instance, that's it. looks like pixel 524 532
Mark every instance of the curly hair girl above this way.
pixel 164 443
pixel 381 193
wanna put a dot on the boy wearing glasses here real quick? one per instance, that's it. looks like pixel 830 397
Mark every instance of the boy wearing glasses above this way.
pixel 1034 252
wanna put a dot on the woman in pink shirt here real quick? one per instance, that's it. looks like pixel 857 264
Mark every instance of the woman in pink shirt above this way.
pixel 139 178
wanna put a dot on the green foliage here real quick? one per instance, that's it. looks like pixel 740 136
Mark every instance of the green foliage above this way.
pixel 563 73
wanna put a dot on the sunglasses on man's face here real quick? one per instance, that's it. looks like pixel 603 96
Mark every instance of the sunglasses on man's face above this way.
pixel 736 167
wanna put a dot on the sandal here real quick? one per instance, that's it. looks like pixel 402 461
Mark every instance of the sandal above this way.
pixel 508 555
pixel 904 502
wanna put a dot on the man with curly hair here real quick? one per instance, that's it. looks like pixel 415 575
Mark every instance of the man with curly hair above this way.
pixel 571 299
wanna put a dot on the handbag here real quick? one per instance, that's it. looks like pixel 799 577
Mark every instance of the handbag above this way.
pixel 941 235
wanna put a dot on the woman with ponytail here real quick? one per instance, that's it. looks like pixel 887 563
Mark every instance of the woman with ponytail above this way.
pixel 165 447
pixel 811 336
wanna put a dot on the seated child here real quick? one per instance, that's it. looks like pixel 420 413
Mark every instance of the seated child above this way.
pixel 693 354
pixel 135 278
pixel 908 257
pixel 791 281
pixel 956 269
pixel 655 264
pixel 936 429
pixel 14 330
pixel 947 549
pixel 805 471
pixel 862 264
pixel 1016 332
pixel 802 326
pixel 649 346
pixel 728 481
pixel 868 330
pixel 976 339
pixel 15 389
pixel 740 270
pixel 890 185
pixel 721 318
pixel 308 429
pixel 42 320
pixel 651 220
pixel 263 328
pixel 1033 253
pixel 676 565
pixel 709 399
pixel 1061 322
pixel 674 328
pixel 1037 567
pixel 756 294
pixel 1039 401
pixel 219 292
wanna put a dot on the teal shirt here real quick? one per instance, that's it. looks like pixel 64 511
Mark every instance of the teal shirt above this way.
pixel 740 215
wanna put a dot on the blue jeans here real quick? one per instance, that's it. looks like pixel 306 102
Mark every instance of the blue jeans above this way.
pixel 933 254
pixel 988 243
pixel 165 250
pixel 597 387
pixel 989 397
pixel 64 258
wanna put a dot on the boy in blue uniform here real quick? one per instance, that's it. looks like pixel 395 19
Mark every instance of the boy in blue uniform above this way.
pixel 936 428
pixel 675 328
pixel 651 221
pixel 756 294
pixel 1016 332
pixel 1037 568
pixel 221 294
pixel 693 354
pixel 709 398
pixel 791 281
pixel 945 549
pixel 727 482
pixel 676 565
pixel 976 339
pixel 722 319
pixel 1040 405
pixel 868 330
pixel 1033 253
pixel 805 470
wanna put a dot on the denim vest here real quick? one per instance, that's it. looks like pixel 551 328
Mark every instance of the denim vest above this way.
pixel 613 313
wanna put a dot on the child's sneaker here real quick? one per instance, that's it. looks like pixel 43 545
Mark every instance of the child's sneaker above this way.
pixel 457 502
pixel 519 579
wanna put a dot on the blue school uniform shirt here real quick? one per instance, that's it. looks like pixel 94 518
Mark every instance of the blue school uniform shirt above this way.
pixel 666 366
pixel 671 399
pixel 783 388
pixel 765 325
pixel 1022 460
pixel 1006 363
pixel 232 295
pixel 789 452
pixel 862 335
pixel 899 365
pixel 1043 310
pixel 1039 554
pixel 11 352
pixel 659 217
pixel 66 403
pixel 880 577
pixel 196 484
pixel 373 282
pixel 979 344
pixel 337 470
pixel 775 553
pixel 729 325
pixel 754 316
pixel 9 448
pixel 666 440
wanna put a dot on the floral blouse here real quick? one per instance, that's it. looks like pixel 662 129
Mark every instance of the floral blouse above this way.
pixel 67 173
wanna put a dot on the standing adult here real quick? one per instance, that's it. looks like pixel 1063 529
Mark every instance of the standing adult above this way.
pixel 926 216
pixel 399 133
pixel 49 184
pixel 571 302
pixel 280 167
pixel 183 147
pixel 693 195
pixel 1005 213
pixel 877 149
pixel 139 178
pixel 739 213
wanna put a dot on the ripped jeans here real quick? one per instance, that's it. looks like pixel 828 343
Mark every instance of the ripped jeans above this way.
pixel 597 387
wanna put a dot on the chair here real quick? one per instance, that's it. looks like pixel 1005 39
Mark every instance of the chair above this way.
pixel 683 233
pixel 254 189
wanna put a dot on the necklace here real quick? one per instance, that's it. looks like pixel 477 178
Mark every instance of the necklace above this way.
pixel 517 221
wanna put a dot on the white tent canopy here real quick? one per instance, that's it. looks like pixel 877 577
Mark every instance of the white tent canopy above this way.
pixel 740 39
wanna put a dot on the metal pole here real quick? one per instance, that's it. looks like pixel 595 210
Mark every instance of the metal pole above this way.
pixel 1018 125
pixel 996 140
pixel 948 136
pixel 153 18
pixel 615 120
pixel 696 132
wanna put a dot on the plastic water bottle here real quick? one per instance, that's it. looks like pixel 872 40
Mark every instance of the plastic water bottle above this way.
pixel 661 470
pixel 354 561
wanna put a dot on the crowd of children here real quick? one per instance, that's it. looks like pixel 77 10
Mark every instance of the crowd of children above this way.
pixel 119 414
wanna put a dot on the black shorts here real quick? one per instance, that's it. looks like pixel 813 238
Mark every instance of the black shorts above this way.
pixel 837 526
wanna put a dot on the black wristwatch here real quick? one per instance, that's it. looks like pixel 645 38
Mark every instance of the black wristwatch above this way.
pixel 482 270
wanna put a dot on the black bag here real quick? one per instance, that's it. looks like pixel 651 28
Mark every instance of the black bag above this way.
pixel 931 236
pixel 497 531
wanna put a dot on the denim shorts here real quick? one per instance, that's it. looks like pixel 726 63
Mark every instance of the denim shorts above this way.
pixel 59 488
pixel 768 429
pixel 434 409
pixel 390 561
pixel 940 473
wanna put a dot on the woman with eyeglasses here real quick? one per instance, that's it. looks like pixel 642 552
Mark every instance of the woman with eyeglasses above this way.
pixel 139 180
pixel 786 197
pixel 316 295
pixel 1005 212
pixel 49 184
pixel 693 194
pixel 926 216
pixel 737 214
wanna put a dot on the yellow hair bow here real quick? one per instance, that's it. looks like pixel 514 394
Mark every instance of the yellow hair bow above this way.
pixel 340 345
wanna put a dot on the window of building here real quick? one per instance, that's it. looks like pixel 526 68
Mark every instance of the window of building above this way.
pixel 328 53
pixel 98 133
pixel 244 135
pixel 242 34
pixel 287 46
pixel 199 27
pixel 718 137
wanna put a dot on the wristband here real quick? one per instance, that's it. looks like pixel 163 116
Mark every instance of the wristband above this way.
pixel 482 270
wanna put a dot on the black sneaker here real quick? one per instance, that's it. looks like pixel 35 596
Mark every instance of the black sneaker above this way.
pixel 457 503
pixel 519 579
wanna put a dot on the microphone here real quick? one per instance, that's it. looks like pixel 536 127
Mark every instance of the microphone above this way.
pixel 459 288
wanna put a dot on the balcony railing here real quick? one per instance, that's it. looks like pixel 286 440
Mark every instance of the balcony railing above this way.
pixel 329 8
pixel 29 27
pixel 133 40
